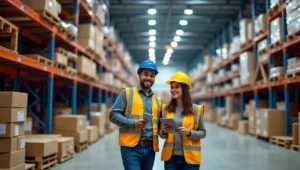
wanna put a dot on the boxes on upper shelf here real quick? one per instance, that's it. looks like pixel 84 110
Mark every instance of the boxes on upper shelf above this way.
pixel 52 6
pixel 260 24
pixel 292 5
pixel 274 3
pixel 276 35
pixel 246 68
pixel 244 36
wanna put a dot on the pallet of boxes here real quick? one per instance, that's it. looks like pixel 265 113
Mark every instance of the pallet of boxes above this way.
pixel 73 126
pixel 12 140
pixel 65 145
pixel 98 120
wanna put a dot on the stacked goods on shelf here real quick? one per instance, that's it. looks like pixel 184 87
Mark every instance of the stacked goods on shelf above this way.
pixel 12 139
pixel 270 122
pixel 69 29
pixel 108 78
pixel 220 114
pixel 99 38
pixel 293 108
pixel 293 66
pixel 276 73
pixel 243 127
pixel 292 19
pixel 260 24
pixel 209 115
pixel 42 152
pixel 251 112
pixel 8 35
pixel 247 68
pixel 73 126
pixel 233 120
pixel 70 57
pixel 65 145
pixel 99 12
pixel 49 9
pixel 295 134
pixel 92 134
pixel 28 125
pixel 262 47
pixel 235 45
pixel 244 31
pixel 98 120
pixel 276 35
pixel 86 68
pixel 274 4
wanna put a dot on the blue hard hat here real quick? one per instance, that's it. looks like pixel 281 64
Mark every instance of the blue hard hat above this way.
pixel 148 64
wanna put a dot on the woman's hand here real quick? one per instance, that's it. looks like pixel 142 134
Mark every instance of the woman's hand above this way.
pixel 182 131
pixel 166 129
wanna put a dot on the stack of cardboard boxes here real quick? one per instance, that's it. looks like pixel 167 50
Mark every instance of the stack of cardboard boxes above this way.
pixel 276 35
pixel 292 16
pixel 251 112
pixel 98 120
pixel 247 68
pixel 92 134
pixel 86 67
pixel 51 6
pixel 12 139
pixel 72 126
pixel 244 30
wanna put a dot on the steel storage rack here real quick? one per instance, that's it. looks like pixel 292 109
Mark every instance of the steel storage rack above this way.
pixel 286 89
pixel 42 81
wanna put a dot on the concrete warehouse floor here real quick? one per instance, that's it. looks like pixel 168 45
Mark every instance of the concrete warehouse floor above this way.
pixel 222 149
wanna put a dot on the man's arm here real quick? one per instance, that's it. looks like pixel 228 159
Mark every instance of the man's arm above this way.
pixel 116 115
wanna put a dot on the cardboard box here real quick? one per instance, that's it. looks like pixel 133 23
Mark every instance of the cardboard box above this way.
pixel 51 6
pixel 12 159
pixel 19 167
pixel 86 66
pixel 62 111
pixel 65 146
pixel 99 122
pixel 13 114
pixel 11 129
pixel 86 31
pixel 28 125
pixel 272 122
pixel 252 123
pixel 250 31
pixel 70 123
pixel 93 133
pixel 292 5
pixel 292 105
pixel 234 120
pixel 61 59
pixel 8 144
pixel 79 137
pixel 244 38
pixel 13 99
pixel 41 147
pixel 261 23
pixel 243 126
pixel 247 68
pixel 87 43
pixel 52 136
pixel 276 30
pixel 295 133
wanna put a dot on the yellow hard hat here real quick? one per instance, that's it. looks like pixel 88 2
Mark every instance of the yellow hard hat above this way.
pixel 180 77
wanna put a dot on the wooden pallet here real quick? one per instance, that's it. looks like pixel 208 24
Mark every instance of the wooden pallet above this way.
pixel 81 147
pixel 276 78
pixel 60 66
pixel 263 51
pixel 259 32
pixel 292 36
pixel 292 74
pixel 263 138
pixel 71 70
pixel 283 141
pixel 29 166
pixel 8 35
pixel 65 158
pixel 295 148
pixel 40 59
pixel 276 44
pixel 273 10
pixel 43 163
pixel 87 77
pixel 71 56
pixel 49 17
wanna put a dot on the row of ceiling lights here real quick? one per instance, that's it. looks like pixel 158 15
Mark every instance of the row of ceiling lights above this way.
pixel 174 43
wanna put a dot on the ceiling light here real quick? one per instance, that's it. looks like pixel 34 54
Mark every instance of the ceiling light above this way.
pixel 152 38
pixel 174 44
pixel 151 50
pixel 152 32
pixel 183 22
pixel 151 11
pixel 167 55
pixel 167 59
pixel 170 51
pixel 188 11
pixel 179 32
pixel 177 38
pixel 152 58
pixel 152 22
pixel 151 54
pixel 165 62
pixel 152 44
pixel 104 7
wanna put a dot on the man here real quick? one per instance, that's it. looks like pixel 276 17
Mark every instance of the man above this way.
pixel 137 137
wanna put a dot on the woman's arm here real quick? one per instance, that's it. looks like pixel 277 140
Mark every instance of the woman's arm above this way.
pixel 200 133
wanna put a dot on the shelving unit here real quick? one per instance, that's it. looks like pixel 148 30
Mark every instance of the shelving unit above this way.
pixel 29 75
pixel 271 90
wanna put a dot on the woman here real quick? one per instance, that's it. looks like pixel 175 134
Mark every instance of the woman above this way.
pixel 182 149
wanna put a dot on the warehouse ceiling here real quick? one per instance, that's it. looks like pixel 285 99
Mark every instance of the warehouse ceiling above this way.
pixel 209 17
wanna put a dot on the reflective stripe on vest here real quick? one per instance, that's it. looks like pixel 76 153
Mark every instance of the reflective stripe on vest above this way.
pixel 192 148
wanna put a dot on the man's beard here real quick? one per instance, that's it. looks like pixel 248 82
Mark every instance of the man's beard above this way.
pixel 146 84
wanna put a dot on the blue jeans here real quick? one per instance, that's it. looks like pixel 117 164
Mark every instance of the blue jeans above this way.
pixel 138 157
pixel 178 163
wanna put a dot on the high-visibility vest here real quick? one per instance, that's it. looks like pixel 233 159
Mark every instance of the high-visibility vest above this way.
pixel 191 148
pixel 134 110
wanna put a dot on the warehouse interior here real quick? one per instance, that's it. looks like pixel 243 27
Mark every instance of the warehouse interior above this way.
pixel 63 64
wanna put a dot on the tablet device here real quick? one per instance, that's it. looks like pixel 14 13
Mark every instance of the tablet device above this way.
pixel 147 117
pixel 169 121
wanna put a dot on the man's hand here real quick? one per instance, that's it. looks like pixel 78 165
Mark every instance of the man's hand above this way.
pixel 182 131
pixel 166 129
pixel 141 123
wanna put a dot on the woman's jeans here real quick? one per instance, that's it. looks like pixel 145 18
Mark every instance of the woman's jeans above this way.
pixel 178 163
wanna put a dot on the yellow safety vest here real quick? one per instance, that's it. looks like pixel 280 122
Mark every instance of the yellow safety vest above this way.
pixel 134 110
pixel 191 148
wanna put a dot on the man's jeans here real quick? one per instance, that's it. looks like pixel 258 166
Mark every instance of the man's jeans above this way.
pixel 138 157
pixel 178 163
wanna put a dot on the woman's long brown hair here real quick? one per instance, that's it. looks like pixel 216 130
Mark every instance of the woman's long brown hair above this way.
pixel 186 99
